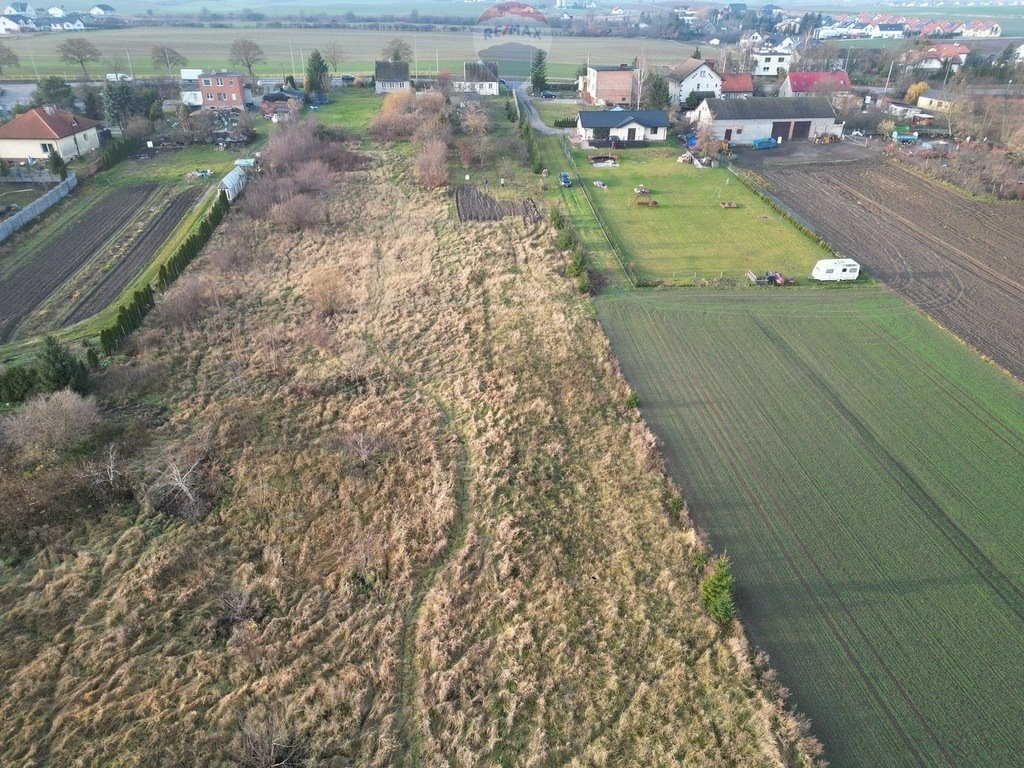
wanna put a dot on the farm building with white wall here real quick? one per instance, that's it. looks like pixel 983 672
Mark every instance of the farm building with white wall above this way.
pixel 741 121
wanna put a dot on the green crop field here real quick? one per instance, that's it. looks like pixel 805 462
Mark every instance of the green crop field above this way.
pixel 863 469
pixel 286 50
pixel 689 237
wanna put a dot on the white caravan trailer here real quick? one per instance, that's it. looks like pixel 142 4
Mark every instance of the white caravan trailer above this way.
pixel 835 269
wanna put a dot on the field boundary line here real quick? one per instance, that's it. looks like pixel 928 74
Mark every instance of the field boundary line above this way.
pixel 597 217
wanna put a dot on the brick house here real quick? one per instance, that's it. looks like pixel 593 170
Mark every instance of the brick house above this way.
pixel 607 85
pixel 223 90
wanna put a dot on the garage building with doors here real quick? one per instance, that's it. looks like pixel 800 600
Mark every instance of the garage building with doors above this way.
pixel 741 121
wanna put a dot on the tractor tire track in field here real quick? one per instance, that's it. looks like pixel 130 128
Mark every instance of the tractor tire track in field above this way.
pixel 1011 595
pixel 137 257
pixel 738 469
pixel 30 285
pixel 956 258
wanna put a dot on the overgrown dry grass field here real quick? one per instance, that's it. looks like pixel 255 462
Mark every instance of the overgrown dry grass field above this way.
pixel 423 525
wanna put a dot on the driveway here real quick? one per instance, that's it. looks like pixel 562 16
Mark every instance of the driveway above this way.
pixel 531 113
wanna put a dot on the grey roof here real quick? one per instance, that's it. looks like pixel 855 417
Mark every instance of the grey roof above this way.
pixel 686 69
pixel 481 72
pixel 890 27
pixel 938 95
pixel 771 108
pixel 613 118
pixel 391 71
pixel 612 67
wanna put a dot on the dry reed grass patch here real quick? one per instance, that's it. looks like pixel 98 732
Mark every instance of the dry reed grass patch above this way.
pixel 431 533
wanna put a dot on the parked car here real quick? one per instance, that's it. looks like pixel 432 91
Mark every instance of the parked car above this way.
pixel 564 179
pixel 548 95
pixel 347 78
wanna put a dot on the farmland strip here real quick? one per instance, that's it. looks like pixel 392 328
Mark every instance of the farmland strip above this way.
pixel 29 286
pixel 139 254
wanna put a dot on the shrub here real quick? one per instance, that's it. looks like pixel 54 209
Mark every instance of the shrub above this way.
pixel 632 400
pixel 50 424
pixel 716 591
pixel 17 383
pixel 431 164
pixel 298 212
pixel 59 369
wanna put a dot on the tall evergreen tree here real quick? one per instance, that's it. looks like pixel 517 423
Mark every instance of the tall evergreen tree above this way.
pixel 539 71
pixel 316 75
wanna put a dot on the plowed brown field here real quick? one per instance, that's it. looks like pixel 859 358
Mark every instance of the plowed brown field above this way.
pixel 960 260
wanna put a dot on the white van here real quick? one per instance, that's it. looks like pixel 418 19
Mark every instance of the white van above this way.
pixel 835 269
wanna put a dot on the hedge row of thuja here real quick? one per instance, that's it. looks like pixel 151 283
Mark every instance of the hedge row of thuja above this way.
pixel 530 139
pixel 117 151
pixel 130 317
pixel 565 122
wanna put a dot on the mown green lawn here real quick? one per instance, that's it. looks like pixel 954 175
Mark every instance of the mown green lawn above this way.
pixel 551 110
pixel 863 471
pixel 689 237
pixel 350 108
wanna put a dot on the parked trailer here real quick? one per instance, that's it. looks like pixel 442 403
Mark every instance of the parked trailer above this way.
pixel 835 269
pixel 768 143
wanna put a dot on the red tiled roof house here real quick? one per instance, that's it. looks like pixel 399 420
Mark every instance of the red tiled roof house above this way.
pixel 814 84
pixel 36 132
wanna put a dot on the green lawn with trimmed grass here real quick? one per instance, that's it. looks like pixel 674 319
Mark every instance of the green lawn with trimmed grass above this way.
pixel 689 237
pixel 550 110
pixel 863 470
pixel 350 108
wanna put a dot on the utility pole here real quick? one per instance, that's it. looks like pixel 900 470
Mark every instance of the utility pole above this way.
pixel 886 89
pixel 130 70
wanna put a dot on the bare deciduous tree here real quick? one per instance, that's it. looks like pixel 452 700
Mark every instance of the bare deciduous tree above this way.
pixel 334 55
pixel 246 53
pixel 177 489
pixel 78 50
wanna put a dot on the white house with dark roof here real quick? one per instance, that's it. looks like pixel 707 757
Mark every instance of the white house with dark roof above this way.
pixel 693 76
pixel 102 9
pixel 391 76
pixel 622 125
pixel 11 23
pixel 770 63
pixel 478 77
pixel 741 121
pixel 20 9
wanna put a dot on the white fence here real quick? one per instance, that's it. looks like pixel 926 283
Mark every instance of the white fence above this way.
pixel 37 207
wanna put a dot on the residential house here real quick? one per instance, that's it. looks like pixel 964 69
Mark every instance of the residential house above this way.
pixel 69 23
pixel 391 76
pixel 738 86
pixel 935 58
pixel 769 63
pixel 223 90
pixel 815 84
pixel 34 134
pixel 887 31
pixel 20 9
pixel 693 76
pixel 752 39
pixel 741 121
pixel 102 10
pixel 57 11
pixel 478 77
pixel 12 23
pixel 608 85
pixel 1019 55
pixel 622 125
pixel 982 29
